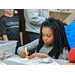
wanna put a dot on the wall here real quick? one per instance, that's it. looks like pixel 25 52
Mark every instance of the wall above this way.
pixel 73 14
pixel 1 12
pixel 66 17
pixel 21 14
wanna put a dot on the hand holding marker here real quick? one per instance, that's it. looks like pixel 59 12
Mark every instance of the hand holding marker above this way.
pixel 26 53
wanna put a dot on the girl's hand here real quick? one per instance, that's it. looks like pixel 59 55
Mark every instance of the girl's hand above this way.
pixel 22 54
pixel 40 55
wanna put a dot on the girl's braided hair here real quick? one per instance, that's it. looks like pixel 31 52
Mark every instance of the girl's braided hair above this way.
pixel 60 40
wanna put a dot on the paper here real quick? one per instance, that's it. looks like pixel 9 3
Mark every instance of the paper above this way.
pixel 17 59
pixel 40 61
pixel 1 63
pixel 34 61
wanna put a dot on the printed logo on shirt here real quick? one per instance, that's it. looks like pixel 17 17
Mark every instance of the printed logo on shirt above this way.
pixel 12 24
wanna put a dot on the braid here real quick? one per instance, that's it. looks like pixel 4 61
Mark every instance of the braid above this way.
pixel 60 40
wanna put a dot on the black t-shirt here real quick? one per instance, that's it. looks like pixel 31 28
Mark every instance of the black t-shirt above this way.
pixel 11 26
pixel 0 32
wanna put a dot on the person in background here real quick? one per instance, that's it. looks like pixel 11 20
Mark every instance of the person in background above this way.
pixel 52 41
pixel 11 27
pixel 71 55
pixel 33 19
pixel 64 24
pixel 70 34
pixel 0 33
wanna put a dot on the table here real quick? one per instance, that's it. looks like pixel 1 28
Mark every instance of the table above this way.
pixel 60 62
pixel 11 62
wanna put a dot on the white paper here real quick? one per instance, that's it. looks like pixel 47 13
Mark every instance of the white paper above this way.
pixel 34 61
pixel 1 63
pixel 17 59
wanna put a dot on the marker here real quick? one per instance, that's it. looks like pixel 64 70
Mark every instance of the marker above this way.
pixel 28 58
pixel 26 52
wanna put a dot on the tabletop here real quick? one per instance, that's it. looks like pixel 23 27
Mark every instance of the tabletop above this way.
pixel 60 62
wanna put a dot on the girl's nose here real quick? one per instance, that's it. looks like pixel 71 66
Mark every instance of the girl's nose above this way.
pixel 45 38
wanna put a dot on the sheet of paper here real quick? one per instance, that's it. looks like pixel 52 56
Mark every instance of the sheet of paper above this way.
pixel 17 59
pixel 34 61
pixel 39 61
pixel 1 63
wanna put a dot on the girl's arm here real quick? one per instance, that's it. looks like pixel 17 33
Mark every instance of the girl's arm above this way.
pixel 30 46
pixel 40 55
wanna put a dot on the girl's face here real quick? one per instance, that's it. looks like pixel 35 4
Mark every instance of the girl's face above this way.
pixel 9 11
pixel 47 35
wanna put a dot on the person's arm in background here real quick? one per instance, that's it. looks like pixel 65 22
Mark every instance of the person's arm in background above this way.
pixel 20 32
pixel 34 17
pixel 5 37
pixel 21 38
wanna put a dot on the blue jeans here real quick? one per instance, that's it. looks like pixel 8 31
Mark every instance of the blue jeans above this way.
pixel 30 36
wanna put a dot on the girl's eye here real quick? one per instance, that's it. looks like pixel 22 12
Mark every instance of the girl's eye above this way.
pixel 48 36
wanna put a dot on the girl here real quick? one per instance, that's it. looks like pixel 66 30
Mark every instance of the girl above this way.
pixel 52 41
